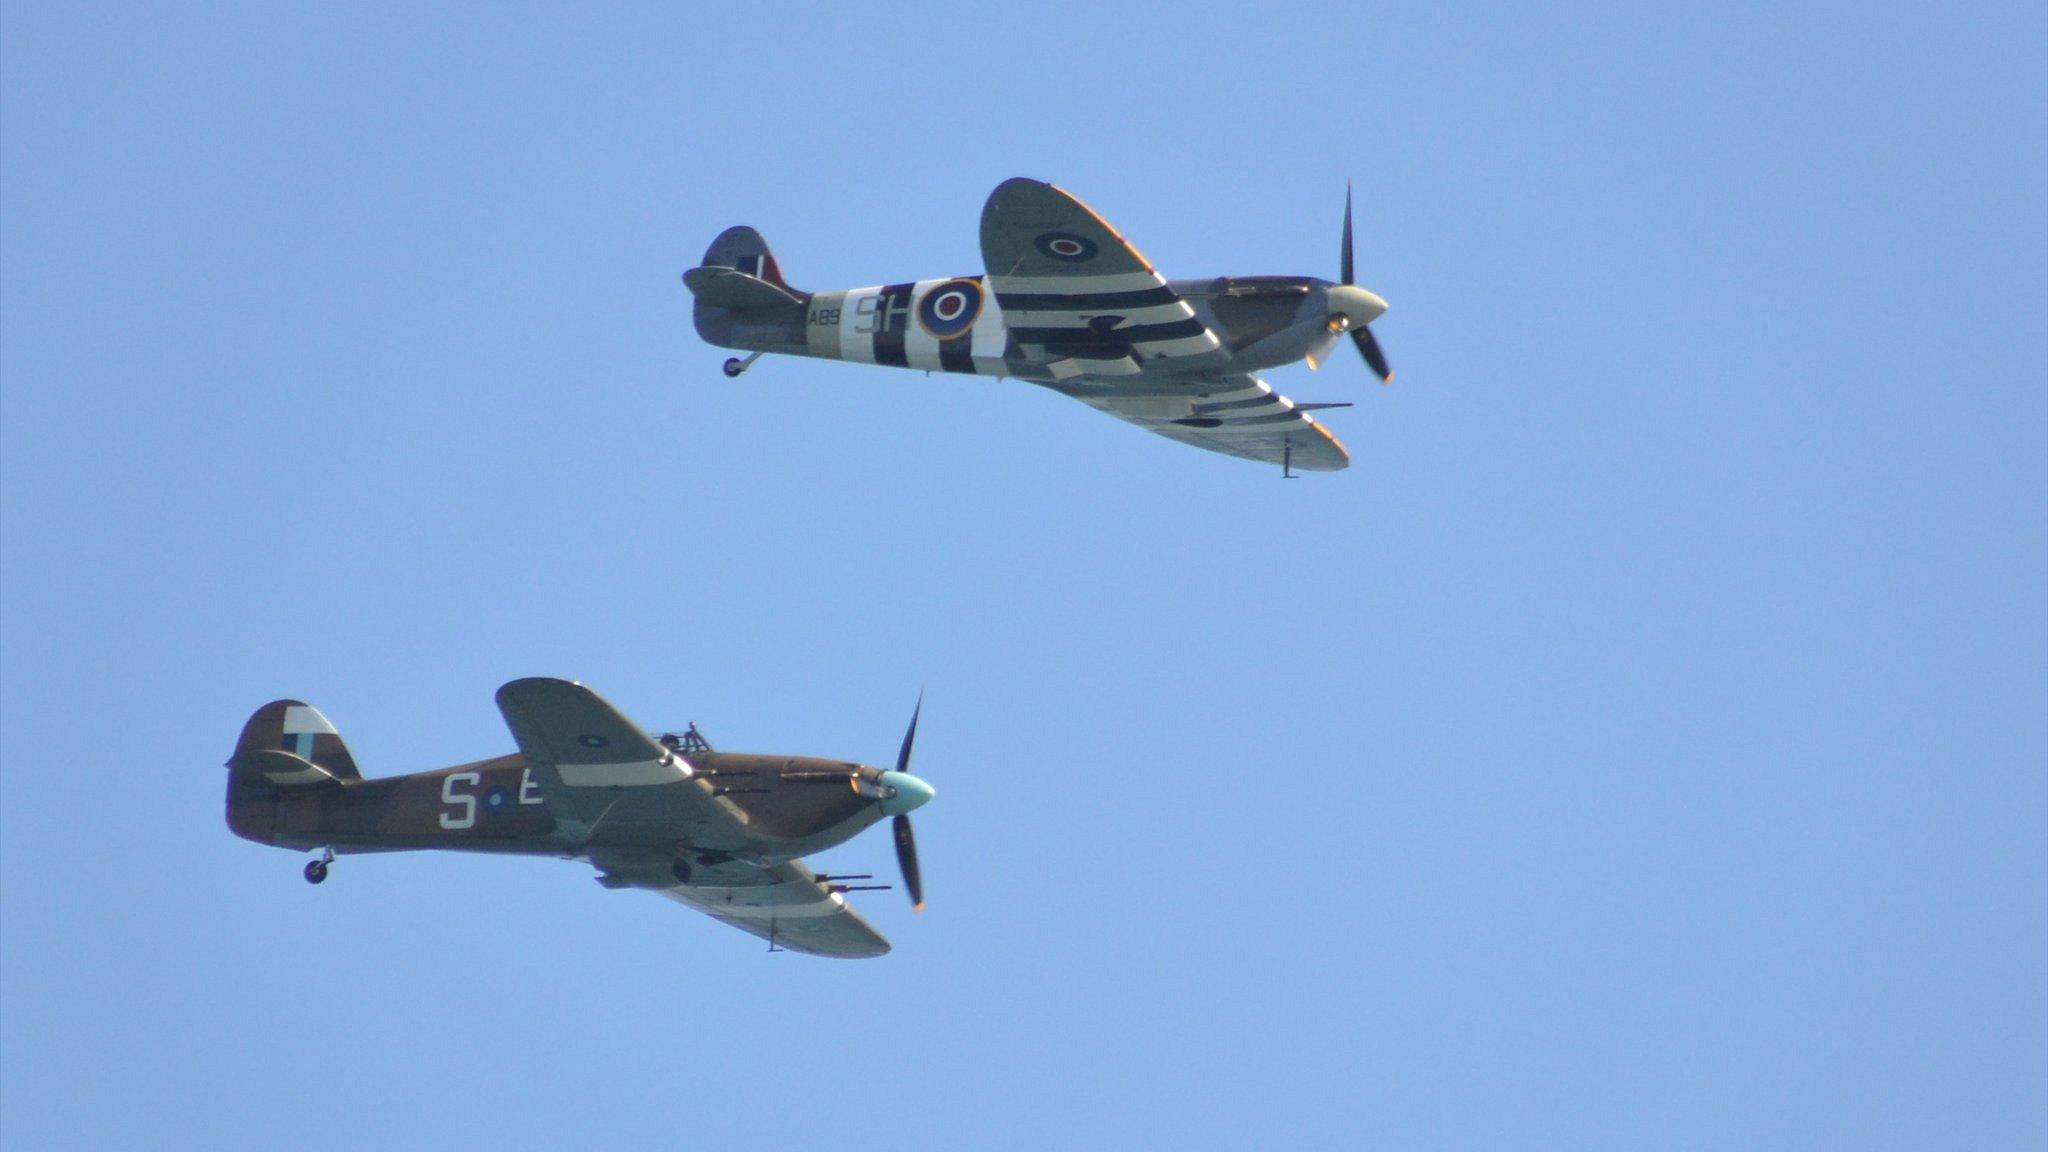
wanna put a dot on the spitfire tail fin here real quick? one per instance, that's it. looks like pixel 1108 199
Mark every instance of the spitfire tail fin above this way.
pixel 742 299
pixel 742 248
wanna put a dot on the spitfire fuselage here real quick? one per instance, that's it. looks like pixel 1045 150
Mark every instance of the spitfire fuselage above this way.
pixel 956 325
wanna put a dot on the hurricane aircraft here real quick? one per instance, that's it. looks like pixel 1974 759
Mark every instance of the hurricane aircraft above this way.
pixel 1068 303
pixel 720 832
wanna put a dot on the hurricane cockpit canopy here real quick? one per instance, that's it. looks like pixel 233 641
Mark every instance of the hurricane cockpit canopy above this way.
pixel 686 743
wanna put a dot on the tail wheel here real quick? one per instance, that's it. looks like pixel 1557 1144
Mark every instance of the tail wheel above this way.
pixel 316 871
pixel 734 366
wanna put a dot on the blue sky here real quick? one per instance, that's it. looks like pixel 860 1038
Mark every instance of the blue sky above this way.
pixel 1643 743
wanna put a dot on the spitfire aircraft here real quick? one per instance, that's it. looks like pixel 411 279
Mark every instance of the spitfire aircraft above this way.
pixel 1068 303
pixel 717 831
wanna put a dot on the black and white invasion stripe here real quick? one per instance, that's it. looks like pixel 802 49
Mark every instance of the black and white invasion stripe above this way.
pixel 1107 324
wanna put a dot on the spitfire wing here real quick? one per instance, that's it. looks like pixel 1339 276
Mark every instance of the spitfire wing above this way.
pixel 586 757
pixel 1242 416
pixel 1077 295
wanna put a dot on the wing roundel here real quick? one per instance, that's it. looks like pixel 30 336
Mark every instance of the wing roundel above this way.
pixel 584 754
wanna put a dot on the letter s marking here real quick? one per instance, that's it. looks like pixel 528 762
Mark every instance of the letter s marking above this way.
pixel 463 801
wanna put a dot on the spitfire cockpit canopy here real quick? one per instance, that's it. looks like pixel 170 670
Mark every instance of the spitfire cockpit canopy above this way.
pixel 1241 287
pixel 688 742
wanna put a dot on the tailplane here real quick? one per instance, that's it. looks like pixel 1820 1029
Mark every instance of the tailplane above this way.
pixel 742 299
pixel 739 274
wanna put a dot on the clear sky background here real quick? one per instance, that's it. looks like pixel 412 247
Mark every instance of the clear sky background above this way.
pixel 1643 744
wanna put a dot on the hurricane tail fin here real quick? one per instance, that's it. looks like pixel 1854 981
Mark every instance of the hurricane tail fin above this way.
pixel 286 748
pixel 285 738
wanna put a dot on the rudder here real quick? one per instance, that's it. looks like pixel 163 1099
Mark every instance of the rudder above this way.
pixel 742 248
pixel 299 730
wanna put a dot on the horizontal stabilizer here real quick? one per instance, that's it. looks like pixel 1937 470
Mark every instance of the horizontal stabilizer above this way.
pixel 734 289
pixel 281 769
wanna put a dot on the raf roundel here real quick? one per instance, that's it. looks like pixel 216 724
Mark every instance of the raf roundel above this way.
pixel 950 309
pixel 1066 246
pixel 496 798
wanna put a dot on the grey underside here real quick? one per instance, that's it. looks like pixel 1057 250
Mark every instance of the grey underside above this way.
pixel 783 903
pixel 1130 399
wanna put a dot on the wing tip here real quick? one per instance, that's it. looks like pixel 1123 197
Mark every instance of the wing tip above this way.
pixel 513 694
pixel 1343 456
pixel 526 683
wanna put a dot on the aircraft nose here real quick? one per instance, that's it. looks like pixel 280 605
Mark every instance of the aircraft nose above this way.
pixel 1358 305
pixel 906 793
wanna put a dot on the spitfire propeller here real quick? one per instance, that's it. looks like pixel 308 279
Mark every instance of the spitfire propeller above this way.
pixel 1354 309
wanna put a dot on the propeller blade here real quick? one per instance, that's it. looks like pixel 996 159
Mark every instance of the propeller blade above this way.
pixel 906 858
pixel 909 737
pixel 1346 277
pixel 1369 347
